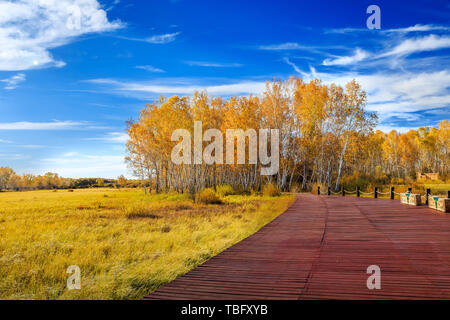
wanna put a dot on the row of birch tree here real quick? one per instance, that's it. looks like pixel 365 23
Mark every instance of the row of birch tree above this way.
pixel 317 125
pixel 325 132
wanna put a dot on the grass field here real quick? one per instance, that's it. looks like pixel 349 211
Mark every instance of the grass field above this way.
pixel 441 188
pixel 125 243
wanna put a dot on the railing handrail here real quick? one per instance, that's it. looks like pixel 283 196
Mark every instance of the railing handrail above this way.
pixel 376 192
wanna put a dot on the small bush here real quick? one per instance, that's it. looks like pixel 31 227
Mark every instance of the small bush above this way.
pixel 239 190
pixel 182 206
pixel 70 190
pixel 225 190
pixel 271 190
pixel 397 181
pixel 165 229
pixel 82 206
pixel 208 196
pixel 139 211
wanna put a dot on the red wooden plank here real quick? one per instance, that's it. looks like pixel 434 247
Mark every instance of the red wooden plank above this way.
pixel 320 248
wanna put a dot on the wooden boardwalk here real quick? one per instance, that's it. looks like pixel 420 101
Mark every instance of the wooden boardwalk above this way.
pixel 320 248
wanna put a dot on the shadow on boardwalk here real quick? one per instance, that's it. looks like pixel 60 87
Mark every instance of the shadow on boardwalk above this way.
pixel 320 248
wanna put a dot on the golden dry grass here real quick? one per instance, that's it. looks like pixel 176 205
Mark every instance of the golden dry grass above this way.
pixel 126 244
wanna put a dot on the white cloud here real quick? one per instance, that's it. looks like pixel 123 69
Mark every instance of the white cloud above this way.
pixel 13 157
pixel 162 38
pixel 402 129
pixel 212 64
pixel 5 141
pixel 420 28
pixel 415 28
pixel 356 57
pixel 156 39
pixel 78 165
pixel 113 5
pixel 428 43
pixel 29 29
pixel 390 94
pixel 54 125
pixel 394 93
pixel 283 46
pixel 150 68
pixel 346 30
pixel 118 137
pixel 439 111
pixel 32 146
pixel 68 154
pixel 293 65
pixel 13 81
pixel 125 87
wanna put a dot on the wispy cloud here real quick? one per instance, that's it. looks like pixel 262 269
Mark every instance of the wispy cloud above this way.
pixel 32 146
pixel 117 137
pixel 150 68
pixel 420 28
pixel 294 66
pixel 212 64
pixel 359 55
pixel 283 47
pixel 113 5
pixel 439 111
pixel 415 28
pixel 80 165
pixel 396 92
pixel 345 30
pixel 428 43
pixel 156 39
pixel 13 156
pixel 162 38
pixel 13 81
pixel 389 127
pixel 29 29
pixel 54 125
pixel 5 141
pixel 164 86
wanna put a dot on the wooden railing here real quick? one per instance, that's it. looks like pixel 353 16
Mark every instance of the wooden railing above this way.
pixel 391 194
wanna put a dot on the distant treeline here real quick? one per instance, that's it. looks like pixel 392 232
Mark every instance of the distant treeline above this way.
pixel 9 180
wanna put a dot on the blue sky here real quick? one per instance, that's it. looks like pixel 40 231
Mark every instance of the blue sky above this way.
pixel 72 72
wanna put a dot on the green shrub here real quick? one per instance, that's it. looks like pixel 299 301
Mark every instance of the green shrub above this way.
pixel 208 196
pixel 361 182
pixel 271 190
pixel 225 190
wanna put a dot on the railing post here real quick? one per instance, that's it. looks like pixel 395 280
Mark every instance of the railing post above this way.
pixel 357 192
pixel 392 193
pixel 375 192
pixel 409 190
pixel 343 192
pixel 427 195
pixel 448 193
pixel 329 191
pixel 318 191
